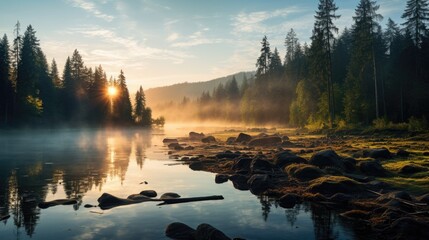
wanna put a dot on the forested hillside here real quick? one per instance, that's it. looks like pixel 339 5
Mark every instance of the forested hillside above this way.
pixel 361 75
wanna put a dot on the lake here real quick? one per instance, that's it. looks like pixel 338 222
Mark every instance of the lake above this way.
pixel 41 165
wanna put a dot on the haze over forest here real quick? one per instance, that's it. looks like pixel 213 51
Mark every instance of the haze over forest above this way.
pixel 373 68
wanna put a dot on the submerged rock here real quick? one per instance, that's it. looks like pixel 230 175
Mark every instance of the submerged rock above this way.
pixel 208 232
pixel 240 182
pixel 107 201
pixel 221 178
pixel 169 195
pixel 180 231
pixel 57 202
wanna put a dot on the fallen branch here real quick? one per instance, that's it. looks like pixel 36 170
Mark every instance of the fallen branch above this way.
pixel 192 199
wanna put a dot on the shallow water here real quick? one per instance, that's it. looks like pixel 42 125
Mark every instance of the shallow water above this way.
pixel 46 165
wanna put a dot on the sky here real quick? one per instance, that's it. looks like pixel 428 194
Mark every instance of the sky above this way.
pixel 162 42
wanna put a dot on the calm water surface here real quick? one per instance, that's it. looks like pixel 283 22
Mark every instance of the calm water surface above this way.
pixel 46 165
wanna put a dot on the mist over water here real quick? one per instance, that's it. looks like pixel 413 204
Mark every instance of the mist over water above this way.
pixel 43 165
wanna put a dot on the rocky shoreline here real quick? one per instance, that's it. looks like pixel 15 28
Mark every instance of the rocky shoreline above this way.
pixel 333 171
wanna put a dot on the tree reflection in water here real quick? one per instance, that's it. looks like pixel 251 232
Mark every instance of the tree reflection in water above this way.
pixel 34 164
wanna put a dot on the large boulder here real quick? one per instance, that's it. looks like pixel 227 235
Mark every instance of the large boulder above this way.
pixel 196 136
pixel 331 185
pixel 303 172
pixel 259 183
pixel 382 153
pixel 148 193
pixel 107 201
pixel 265 141
pixel 180 231
pixel 208 232
pixel 284 160
pixel 373 168
pixel 243 138
pixel 169 195
pixel 326 158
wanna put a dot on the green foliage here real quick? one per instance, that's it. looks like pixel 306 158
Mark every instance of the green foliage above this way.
pixel 417 124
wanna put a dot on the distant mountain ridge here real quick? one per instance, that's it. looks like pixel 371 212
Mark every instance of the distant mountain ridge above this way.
pixel 193 90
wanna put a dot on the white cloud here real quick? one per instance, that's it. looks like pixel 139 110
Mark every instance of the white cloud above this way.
pixel 91 8
pixel 172 37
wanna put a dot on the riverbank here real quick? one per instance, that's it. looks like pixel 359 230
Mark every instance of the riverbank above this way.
pixel 379 180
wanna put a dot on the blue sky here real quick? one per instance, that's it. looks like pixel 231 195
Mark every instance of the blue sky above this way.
pixel 161 42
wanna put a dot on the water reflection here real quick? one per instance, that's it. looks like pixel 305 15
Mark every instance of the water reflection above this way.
pixel 39 165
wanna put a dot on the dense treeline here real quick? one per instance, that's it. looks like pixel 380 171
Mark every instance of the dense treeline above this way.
pixel 34 94
pixel 367 74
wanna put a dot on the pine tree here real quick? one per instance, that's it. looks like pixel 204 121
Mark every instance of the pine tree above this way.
pixel 416 16
pixel 324 24
pixel 122 105
pixel 264 60
pixel 97 95
pixel 28 101
pixel 68 96
pixel 46 89
pixel 276 66
pixel 54 74
pixel 6 89
pixel 232 90
pixel 16 52
pixel 291 43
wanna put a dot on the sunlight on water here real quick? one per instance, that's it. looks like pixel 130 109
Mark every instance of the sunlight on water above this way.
pixel 85 164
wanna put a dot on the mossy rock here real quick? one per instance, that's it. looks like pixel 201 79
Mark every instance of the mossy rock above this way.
pixel 330 185
pixel 303 172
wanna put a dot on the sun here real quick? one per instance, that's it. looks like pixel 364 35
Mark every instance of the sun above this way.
pixel 112 91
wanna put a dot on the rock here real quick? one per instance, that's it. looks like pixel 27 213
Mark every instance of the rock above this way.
pixel 260 165
pixel 377 186
pixel 287 160
pixel 175 146
pixel 231 140
pixel 424 198
pixel 402 153
pixel 170 140
pixel 209 139
pixel 240 182
pixel 169 195
pixel 107 201
pixel 4 217
pixel 326 158
pixel 242 164
pixel 221 178
pixel 259 183
pixel 265 141
pixel 331 185
pixel 407 228
pixel 303 172
pixel 411 169
pixel 349 164
pixel 288 144
pixel 138 197
pixel 180 231
pixel 372 168
pixel 149 193
pixel 228 155
pixel 57 202
pixel 382 153
pixel 289 200
pixel 89 206
pixel 196 136
pixel 196 166
pixel 189 148
pixel 208 232
pixel 243 138
pixel 285 138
